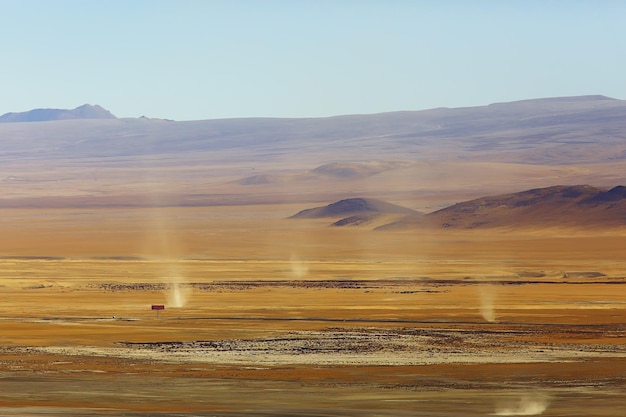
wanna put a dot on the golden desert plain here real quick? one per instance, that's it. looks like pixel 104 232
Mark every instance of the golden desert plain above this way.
pixel 269 315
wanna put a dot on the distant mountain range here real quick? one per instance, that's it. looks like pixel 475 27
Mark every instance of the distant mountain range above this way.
pixel 87 156
pixel 580 206
pixel 85 111
pixel 583 129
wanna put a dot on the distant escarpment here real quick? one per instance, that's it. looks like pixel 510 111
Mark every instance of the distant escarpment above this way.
pixel 85 111
pixel 579 206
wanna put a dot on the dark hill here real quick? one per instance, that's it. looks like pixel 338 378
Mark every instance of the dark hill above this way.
pixel 614 194
pixel 353 207
pixel 558 206
pixel 356 220
pixel 85 111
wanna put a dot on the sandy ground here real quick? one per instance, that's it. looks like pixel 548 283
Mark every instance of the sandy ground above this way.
pixel 264 316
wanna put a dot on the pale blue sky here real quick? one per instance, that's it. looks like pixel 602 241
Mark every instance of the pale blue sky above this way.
pixel 186 59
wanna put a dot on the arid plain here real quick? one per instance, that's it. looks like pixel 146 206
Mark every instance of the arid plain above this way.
pixel 269 315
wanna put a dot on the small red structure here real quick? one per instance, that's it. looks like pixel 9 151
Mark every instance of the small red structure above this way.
pixel 158 308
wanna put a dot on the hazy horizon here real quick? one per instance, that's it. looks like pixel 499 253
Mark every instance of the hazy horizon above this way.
pixel 112 111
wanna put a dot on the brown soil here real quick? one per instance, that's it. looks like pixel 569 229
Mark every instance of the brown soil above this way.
pixel 306 319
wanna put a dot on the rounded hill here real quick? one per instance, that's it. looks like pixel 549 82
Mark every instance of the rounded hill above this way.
pixel 351 207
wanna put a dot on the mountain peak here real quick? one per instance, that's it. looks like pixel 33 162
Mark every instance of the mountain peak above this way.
pixel 86 111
